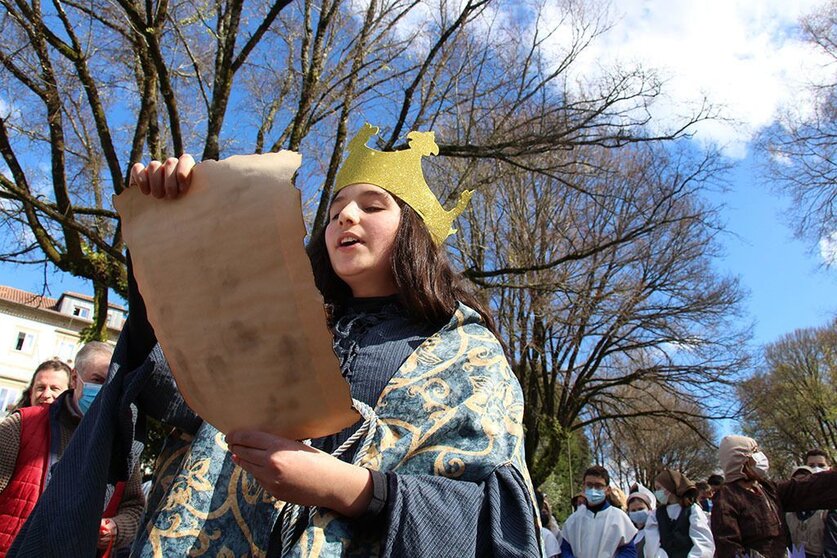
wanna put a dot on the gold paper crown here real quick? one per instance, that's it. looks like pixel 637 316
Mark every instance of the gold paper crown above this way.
pixel 399 173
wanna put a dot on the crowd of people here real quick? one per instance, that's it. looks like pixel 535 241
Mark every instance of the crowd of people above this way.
pixel 35 435
pixel 436 466
pixel 737 514
pixel 742 513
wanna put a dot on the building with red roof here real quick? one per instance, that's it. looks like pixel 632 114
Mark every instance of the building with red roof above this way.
pixel 35 328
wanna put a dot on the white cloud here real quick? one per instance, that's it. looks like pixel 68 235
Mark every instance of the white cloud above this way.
pixel 828 249
pixel 745 57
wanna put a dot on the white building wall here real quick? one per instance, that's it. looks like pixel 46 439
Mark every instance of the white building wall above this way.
pixel 46 335
pixel 17 365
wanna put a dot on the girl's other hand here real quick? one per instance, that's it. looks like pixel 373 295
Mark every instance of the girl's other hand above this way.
pixel 294 472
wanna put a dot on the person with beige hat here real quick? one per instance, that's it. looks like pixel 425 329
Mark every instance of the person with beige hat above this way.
pixel 748 516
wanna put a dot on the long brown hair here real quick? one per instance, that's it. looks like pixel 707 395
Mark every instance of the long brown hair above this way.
pixel 428 288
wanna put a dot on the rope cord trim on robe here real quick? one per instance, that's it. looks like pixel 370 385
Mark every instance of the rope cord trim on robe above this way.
pixel 292 514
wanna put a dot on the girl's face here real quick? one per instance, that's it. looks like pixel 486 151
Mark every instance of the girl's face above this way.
pixel 363 220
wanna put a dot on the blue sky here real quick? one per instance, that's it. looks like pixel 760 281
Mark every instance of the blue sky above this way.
pixel 747 60
pixel 789 287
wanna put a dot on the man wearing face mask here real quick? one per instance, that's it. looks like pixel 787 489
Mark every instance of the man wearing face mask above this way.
pixel 598 530
pixel 34 441
pixel 748 516
pixel 818 461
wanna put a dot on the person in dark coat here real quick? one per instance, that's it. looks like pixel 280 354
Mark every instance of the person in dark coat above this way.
pixel 748 516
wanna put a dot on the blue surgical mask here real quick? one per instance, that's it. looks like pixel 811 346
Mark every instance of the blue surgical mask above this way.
pixel 88 394
pixel 638 517
pixel 661 495
pixel 595 496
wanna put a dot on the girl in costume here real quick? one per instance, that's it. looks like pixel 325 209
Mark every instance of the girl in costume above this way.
pixel 446 453
pixel 437 465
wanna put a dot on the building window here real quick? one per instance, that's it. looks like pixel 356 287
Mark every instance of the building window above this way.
pixel 65 348
pixel 8 398
pixel 24 342
pixel 81 311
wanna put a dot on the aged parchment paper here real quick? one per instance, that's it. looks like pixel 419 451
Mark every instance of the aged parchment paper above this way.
pixel 231 297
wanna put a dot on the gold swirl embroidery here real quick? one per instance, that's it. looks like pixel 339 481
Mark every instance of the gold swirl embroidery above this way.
pixel 453 468
pixel 204 542
pixel 494 399
pixel 434 391
pixel 195 479
pixel 174 530
pixel 312 541
pixel 483 357
pixel 167 473
pixel 504 414
pixel 402 380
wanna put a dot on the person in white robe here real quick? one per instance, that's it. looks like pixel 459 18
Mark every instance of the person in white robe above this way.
pixel 598 530
pixel 679 528
pixel 640 507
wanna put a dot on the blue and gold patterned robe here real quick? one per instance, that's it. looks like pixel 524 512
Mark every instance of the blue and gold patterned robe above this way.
pixel 450 429
pixel 452 413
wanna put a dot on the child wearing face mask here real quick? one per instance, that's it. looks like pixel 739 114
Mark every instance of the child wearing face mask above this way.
pixel 640 507
pixel 679 528
pixel 817 460
pixel 748 515
pixel 598 530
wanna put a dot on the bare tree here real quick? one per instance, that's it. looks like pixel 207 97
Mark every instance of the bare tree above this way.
pixel 605 286
pixel 640 446
pixel 590 239
pixel 92 87
pixel 790 406
pixel 801 148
